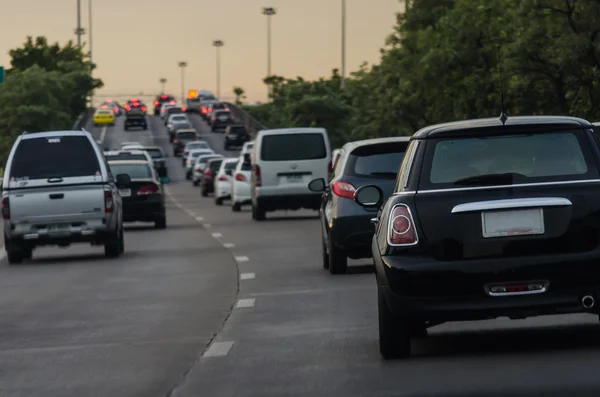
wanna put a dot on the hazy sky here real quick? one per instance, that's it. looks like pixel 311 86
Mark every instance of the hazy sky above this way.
pixel 137 42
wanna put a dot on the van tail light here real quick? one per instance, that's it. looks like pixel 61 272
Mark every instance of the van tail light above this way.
pixel 343 189
pixel 223 178
pixel 256 172
pixel 108 201
pixel 156 103
pixel 240 177
pixel 208 172
pixel 148 189
pixel 5 208
pixel 402 227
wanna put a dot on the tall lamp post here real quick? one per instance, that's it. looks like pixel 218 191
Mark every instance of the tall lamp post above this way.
pixel 162 82
pixel 269 12
pixel 343 77
pixel 218 44
pixel 90 45
pixel 182 65
pixel 79 31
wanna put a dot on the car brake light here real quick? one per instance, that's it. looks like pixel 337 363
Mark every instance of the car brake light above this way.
pixel 5 208
pixel 156 103
pixel 175 140
pixel 148 189
pixel 401 227
pixel 223 178
pixel 108 201
pixel 172 102
pixel 256 169
pixel 183 109
pixel 343 189
pixel 207 172
pixel 163 97
pixel 240 177
pixel 143 108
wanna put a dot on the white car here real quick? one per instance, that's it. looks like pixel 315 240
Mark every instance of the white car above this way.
pixel 190 160
pixel 199 165
pixel 132 147
pixel 177 118
pixel 247 148
pixel 240 186
pixel 163 109
pixel 194 145
pixel 224 178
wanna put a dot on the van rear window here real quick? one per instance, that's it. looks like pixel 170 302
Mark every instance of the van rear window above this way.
pixel 293 147
pixel 376 161
pixel 54 157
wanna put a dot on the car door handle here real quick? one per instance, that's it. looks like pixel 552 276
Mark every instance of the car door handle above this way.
pixel 374 221
pixel 57 196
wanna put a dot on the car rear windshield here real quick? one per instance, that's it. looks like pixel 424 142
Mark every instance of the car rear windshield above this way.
pixel 183 126
pixel 506 160
pixel 204 160
pixel 126 157
pixel 174 109
pixel 230 165
pixel 155 153
pixel 215 164
pixel 237 131
pixel 179 118
pixel 376 161
pixel 197 145
pixel 201 153
pixel 54 157
pixel 219 106
pixel 186 135
pixel 293 147
pixel 135 171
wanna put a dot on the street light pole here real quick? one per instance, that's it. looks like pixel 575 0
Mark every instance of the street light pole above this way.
pixel 162 81
pixel 90 44
pixel 182 65
pixel 79 30
pixel 218 44
pixel 343 77
pixel 269 12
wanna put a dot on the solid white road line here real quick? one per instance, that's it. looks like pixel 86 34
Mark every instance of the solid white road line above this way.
pixel 244 303
pixel 241 259
pixel 247 276
pixel 199 218
pixel 218 349
pixel 229 245
pixel 103 134
pixel 217 235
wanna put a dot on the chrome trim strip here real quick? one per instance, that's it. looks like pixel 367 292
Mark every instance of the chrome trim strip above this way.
pixel 534 292
pixel 471 188
pixel 488 205
pixel 388 230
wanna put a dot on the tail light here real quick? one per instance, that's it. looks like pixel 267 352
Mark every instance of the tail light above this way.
pixel 402 230
pixel 156 103
pixel 208 172
pixel 256 170
pixel 116 109
pixel 204 110
pixel 189 163
pixel 148 189
pixel 108 201
pixel 223 178
pixel 143 108
pixel 240 177
pixel 183 109
pixel 5 208
pixel 163 97
pixel 185 154
pixel 343 189
pixel 172 102
pixel 175 140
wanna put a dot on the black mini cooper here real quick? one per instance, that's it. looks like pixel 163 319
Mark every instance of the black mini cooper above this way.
pixel 488 219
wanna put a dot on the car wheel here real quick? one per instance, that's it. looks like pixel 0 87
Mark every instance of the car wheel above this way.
pixel 219 200
pixel 188 176
pixel 14 252
pixel 338 261
pixel 112 245
pixel 160 222
pixel 126 128
pixel 196 183
pixel 259 214
pixel 27 253
pixel 145 127
pixel 236 207
pixel 324 253
pixel 204 193
pixel 394 336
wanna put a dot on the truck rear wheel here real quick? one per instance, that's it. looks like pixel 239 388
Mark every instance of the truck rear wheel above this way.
pixel 112 245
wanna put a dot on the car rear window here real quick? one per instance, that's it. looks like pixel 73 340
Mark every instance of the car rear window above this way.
pixel 237 131
pixel 155 153
pixel 186 135
pixel 197 145
pixel 204 160
pixel 201 153
pixel 174 109
pixel 505 160
pixel 126 157
pixel 376 161
pixel 54 157
pixel 135 171
pixel 230 165
pixel 215 165
pixel 183 126
pixel 219 106
pixel 179 118
pixel 293 147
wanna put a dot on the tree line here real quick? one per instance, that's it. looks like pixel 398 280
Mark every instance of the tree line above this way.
pixel 441 63
pixel 46 88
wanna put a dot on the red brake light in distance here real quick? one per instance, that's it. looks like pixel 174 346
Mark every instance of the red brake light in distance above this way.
pixel 156 103
pixel 402 227
pixel 343 189
pixel 183 109
pixel 5 208
pixel 256 172
pixel 172 102
pixel 240 177
pixel 143 108
pixel 207 172
pixel 163 97
pixel 108 201
pixel 223 178
pixel 148 189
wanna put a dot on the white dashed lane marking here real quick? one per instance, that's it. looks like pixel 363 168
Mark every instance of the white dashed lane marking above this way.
pixel 247 276
pixel 229 245
pixel 244 303
pixel 241 259
pixel 207 225
pixel 217 235
pixel 218 349
pixel 199 218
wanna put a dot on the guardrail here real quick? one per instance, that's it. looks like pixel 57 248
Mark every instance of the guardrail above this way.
pixel 241 116
pixel 83 119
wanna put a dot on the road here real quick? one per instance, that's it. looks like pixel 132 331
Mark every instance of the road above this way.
pixel 76 324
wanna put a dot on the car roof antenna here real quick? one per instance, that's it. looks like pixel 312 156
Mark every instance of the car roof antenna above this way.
pixel 503 116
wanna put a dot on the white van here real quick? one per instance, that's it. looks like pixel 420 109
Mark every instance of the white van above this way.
pixel 284 162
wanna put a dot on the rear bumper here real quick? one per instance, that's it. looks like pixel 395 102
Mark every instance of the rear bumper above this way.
pixel 445 291
pixel 353 234
pixel 104 122
pixel 135 121
pixel 288 202
pixel 83 230
pixel 143 209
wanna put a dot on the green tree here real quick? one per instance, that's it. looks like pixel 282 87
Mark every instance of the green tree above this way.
pixel 239 95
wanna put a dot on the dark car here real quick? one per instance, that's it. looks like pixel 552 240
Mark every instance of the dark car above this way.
pixel 207 185
pixel 180 127
pixel 143 199
pixel 487 220
pixel 159 159
pixel 160 99
pixel 181 138
pixel 173 110
pixel 213 107
pixel 235 135
pixel 135 116
pixel 346 227
pixel 220 119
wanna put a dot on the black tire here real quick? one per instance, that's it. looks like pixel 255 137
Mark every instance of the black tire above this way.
pixel 14 252
pixel 394 335
pixel 160 222
pixel 27 253
pixel 226 147
pixel 122 241
pixel 126 127
pixel 325 254
pixel 196 183
pixel 145 127
pixel 236 207
pixel 338 260
pixel 219 200
pixel 112 245
pixel 204 192
pixel 188 176
pixel 259 213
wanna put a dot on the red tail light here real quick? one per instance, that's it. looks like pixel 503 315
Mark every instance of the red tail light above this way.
pixel 172 102
pixel 5 208
pixel 207 172
pixel 156 103
pixel 163 97
pixel 256 170
pixel 402 230
pixel 174 140
pixel 127 107
pixel 148 189
pixel 108 201
pixel 240 177
pixel 343 189
pixel 116 109
pixel 204 110
pixel 143 108
pixel 223 178
pixel 183 109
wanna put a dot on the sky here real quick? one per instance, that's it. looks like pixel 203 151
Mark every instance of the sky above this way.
pixel 135 43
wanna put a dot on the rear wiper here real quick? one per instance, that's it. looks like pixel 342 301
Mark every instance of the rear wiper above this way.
pixel 490 179
pixel 385 174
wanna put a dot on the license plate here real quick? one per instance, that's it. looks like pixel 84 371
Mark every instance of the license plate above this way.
pixel 125 192
pixel 512 223
pixel 59 228
pixel 294 178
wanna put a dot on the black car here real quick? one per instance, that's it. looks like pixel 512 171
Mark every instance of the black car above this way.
pixel 173 110
pixel 159 159
pixel 213 107
pixel 160 99
pixel 488 219
pixel 143 199
pixel 207 184
pixel 135 117
pixel 235 135
pixel 220 119
pixel 181 138
pixel 179 127
pixel 346 227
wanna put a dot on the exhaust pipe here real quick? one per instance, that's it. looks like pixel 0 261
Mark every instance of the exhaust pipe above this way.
pixel 588 301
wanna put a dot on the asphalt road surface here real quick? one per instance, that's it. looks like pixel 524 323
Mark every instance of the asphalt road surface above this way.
pixel 218 305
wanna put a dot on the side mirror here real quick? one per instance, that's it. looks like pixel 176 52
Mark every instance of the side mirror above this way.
pixel 369 196
pixel 165 180
pixel 229 172
pixel 123 181
pixel 317 185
